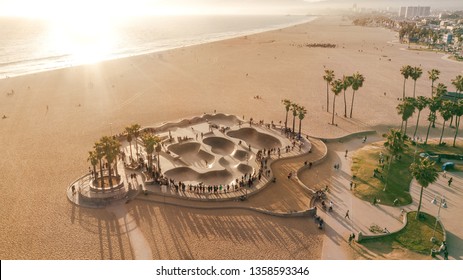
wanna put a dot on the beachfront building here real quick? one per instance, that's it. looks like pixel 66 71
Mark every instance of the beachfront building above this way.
pixel 412 12
pixel 447 38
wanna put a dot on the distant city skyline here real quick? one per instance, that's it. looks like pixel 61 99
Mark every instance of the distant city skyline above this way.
pixel 46 8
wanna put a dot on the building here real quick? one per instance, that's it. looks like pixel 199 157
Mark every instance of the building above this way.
pixel 412 12
pixel 447 38
pixel 402 12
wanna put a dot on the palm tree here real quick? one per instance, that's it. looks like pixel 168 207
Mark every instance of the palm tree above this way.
pixel 287 104
pixel 93 159
pixel 100 155
pixel 336 87
pixel 394 144
pixel 433 76
pixel 328 77
pixel 111 151
pixel 458 113
pixel 294 109
pixel 446 111
pixel 441 90
pixel 415 74
pixel 406 109
pixel 420 103
pixel 301 114
pixel 405 71
pixel 135 128
pixel 424 173
pixel 431 119
pixel 129 132
pixel 458 83
pixel 150 141
pixel 346 83
pixel 357 82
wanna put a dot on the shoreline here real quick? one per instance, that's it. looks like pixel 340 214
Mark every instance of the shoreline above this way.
pixel 211 38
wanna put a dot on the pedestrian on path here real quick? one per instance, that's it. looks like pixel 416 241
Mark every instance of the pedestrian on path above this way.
pixel 347 151
pixel 347 215
pixel 450 181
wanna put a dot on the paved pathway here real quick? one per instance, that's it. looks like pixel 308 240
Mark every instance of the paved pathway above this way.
pixel 363 214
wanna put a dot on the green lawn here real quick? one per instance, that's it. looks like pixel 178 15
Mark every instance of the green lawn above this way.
pixel 365 160
pixel 415 236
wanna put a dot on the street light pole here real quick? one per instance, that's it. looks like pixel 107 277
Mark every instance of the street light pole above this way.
pixel 442 204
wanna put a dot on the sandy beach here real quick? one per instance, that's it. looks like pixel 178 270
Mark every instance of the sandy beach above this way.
pixel 53 119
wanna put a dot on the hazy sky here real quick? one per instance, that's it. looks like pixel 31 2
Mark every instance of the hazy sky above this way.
pixel 53 7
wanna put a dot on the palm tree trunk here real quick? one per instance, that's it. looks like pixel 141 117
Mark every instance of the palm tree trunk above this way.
pixel 402 126
pixel 131 155
pixel 94 172
pixel 294 123
pixel 419 204
pixel 442 133
pixel 434 121
pixel 101 174
pixel 388 171
pixel 451 121
pixel 159 164
pixel 403 95
pixel 432 89
pixel 345 105
pixel 457 122
pixel 327 97
pixel 414 88
pixel 300 122
pixel 286 121
pixel 334 106
pixel 405 130
pixel 110 175
pixel 417 121
pixel 427 133
pixel 116 171
pixel 352 104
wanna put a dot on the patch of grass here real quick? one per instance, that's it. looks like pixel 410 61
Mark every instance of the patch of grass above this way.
pixel 368 187
pixel 366 160
pixel 415 236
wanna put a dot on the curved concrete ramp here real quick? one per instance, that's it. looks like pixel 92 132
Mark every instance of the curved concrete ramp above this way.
pixel 215 177
pixel 222 119
pixel 224 162
pixel 242 155
pixel 220 145
pixel 255 138
pixel 185 148
pixel 191 152
pixel 244 168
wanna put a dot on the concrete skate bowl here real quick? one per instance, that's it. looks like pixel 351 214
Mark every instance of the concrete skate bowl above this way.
pixel 191 152
pixel 222 119
pixel 220 145
pixel 242 155
pixel 255 138
pixel 244 168
pixel 186 174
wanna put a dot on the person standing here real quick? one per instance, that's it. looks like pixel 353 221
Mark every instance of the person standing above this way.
pixel 450 181
pixel 347 215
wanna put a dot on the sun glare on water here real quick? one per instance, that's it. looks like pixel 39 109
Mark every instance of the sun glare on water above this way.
pixel 86 40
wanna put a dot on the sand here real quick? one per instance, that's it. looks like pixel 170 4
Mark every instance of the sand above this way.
pixel 54 118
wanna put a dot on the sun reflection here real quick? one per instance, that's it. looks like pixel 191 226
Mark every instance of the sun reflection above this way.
pixel 85 40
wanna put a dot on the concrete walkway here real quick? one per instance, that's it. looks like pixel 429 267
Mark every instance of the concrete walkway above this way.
pixel 363 214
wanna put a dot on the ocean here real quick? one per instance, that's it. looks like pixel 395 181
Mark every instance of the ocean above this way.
pixel 35 45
